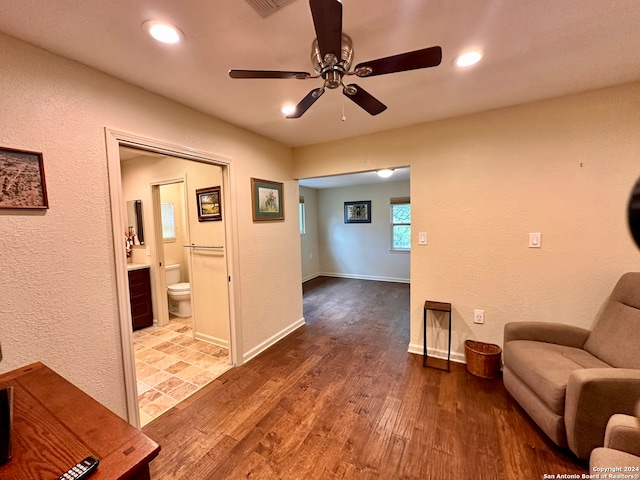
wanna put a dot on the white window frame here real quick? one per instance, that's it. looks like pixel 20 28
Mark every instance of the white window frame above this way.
pixel 398 202
pixel 163 212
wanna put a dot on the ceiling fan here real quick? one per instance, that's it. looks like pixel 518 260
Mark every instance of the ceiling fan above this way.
pixel 331 56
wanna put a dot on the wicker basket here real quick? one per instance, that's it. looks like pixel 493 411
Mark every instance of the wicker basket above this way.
pixel 483 359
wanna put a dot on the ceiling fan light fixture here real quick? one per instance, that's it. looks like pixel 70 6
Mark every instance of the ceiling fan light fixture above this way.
pixel 468 58
pixel 331 57
pixel 288 109
pixel 385 173
pixel 163 32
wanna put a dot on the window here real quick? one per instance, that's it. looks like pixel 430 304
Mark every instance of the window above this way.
pixel 168 222
pixel 302 216
pixel 400 224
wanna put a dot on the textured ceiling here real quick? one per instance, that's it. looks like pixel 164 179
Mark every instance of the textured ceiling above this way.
pixel 533 49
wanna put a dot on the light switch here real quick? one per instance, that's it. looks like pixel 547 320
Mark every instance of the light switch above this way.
pixel 422 238
pixel 535 240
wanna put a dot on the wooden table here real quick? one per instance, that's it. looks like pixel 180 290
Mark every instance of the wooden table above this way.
pixel 438 307
pixel 55 425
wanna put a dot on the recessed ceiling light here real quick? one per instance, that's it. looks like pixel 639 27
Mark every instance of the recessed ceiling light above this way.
pixel 288 109
pixel 385 172
pixel 163 32
pixel 469 58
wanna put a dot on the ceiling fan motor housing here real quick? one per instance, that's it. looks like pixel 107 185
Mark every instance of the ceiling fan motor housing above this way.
pixel 330 68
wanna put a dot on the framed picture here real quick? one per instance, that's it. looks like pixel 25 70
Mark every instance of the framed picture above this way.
pixel 22 179
pixel 357 212
pixel 267 199
pixel 209 204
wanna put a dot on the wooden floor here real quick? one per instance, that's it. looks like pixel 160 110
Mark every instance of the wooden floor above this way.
pixel 340 398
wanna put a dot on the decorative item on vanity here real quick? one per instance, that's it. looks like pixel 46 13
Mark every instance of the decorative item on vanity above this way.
pixel 179 293
pixel 129 242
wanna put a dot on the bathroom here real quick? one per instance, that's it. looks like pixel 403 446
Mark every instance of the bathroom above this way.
pixel 187 343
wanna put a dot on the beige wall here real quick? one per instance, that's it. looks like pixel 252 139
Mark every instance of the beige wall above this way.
pixel 361 250
pixel 59 302
pixel 479 184
pixel 309 243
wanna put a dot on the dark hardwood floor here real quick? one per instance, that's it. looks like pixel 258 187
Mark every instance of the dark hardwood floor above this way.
pixel 340 398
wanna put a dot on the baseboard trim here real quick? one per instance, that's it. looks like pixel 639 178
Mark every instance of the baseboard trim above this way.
pixel 437 353
pixel 310 277
pixel 257 350
pixel 211 339
pixel 364 277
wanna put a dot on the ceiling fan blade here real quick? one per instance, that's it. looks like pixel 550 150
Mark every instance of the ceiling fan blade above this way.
pixel 364 99
pixel 268 74
pixel 306 102
pixel 327 20
pixel 427 57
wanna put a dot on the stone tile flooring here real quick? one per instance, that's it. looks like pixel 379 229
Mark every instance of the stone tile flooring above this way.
pixel 171 365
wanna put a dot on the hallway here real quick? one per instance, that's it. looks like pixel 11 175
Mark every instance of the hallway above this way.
pixel 340 398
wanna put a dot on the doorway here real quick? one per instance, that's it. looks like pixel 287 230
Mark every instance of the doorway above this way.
pixel 209 352
pixel 173 357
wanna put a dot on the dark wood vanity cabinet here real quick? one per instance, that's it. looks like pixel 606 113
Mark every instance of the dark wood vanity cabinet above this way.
pixel 140 298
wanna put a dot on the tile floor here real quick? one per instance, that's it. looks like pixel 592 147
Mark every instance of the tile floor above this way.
pixel 171 365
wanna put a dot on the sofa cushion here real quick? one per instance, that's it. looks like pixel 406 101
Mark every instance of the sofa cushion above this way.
pixel 615 337
pixel 605 460
pixel 545 368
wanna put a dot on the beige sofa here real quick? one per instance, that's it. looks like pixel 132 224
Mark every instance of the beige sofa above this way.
pixel 621 451
pixel 571 380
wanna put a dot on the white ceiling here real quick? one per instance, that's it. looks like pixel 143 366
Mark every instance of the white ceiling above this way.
pixel 352 179
pixel 533 49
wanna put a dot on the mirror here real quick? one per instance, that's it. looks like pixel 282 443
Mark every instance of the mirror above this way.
pixel 134 221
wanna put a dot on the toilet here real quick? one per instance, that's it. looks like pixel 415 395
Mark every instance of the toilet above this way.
pixel 179 293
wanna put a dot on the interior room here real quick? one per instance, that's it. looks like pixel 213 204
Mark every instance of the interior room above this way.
pixel 518 171
pixel 175 351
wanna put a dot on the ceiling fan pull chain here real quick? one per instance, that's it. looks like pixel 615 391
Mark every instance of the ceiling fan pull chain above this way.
pixel 343 118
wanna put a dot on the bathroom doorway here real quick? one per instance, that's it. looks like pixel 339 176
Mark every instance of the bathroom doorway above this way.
pixel 157 377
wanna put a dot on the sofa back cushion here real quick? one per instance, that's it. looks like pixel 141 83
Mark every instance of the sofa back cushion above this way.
pixel 615 338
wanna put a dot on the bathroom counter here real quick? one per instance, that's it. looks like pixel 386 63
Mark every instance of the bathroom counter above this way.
pixel 137 266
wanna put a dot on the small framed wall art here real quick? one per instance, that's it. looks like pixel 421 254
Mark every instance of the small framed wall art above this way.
pixel 22 182
pixel 209 204
pixel 267 199
pixel 357 212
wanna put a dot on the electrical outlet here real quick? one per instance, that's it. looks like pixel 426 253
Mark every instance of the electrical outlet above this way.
pixel 478 316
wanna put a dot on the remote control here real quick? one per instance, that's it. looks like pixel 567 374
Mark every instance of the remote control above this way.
pixel 81 470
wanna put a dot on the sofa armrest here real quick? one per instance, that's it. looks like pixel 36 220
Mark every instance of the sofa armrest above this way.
pixel 557 333
pixel 593 396
pixel 623 433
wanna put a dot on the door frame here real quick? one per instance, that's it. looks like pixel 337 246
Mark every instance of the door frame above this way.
pixel 114 140
pixel 160 284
